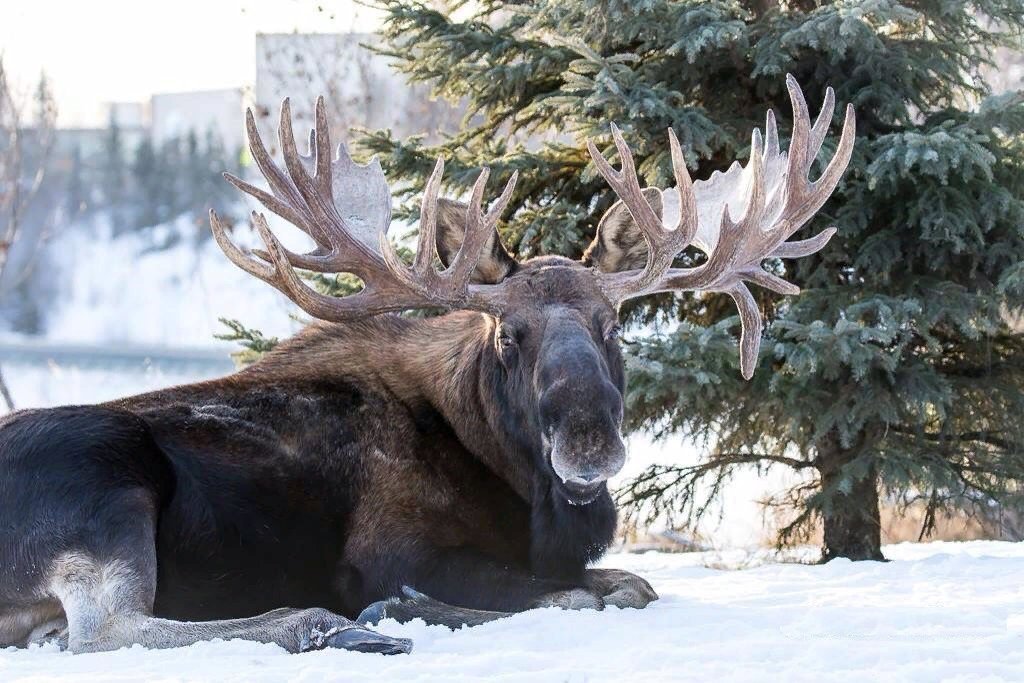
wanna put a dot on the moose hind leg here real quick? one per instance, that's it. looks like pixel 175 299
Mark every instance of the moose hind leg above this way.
pixel 106 607
pixel 108 602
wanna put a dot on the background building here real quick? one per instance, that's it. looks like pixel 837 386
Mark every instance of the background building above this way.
pixel 360 88
pixel 175 115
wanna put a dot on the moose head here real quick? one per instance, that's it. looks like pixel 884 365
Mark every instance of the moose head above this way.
pixel 552 321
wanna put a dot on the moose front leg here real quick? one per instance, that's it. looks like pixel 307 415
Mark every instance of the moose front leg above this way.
pixel 620 588
pixel 458 588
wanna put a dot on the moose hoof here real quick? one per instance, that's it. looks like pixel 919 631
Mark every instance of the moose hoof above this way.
pixel 410 605
pixel 364 640
pixel 620 588
pixel 326 630
pixel 577 598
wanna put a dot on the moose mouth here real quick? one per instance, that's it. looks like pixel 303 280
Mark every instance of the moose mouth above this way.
pixel 576 488
pixel 579 495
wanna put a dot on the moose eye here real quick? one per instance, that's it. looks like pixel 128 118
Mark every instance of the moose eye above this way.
pixel 506 339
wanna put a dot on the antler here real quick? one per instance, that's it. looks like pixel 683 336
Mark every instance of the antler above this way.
pixel 346 209
pixel 778 198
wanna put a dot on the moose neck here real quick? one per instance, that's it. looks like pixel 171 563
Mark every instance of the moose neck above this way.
pixel 463 379
pixel 446 363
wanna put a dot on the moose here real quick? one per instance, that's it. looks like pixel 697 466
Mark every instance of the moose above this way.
pixel 452 468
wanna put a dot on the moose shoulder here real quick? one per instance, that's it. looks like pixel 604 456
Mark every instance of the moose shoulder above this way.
pixel 375 460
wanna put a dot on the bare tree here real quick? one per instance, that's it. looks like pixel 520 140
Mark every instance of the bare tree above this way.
pixel 25 146
pixel 359 86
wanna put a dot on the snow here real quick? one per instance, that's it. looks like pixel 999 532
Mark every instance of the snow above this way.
pixel 127 291
pixel 938 611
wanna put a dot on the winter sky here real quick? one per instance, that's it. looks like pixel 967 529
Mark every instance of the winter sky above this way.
pixel 125 50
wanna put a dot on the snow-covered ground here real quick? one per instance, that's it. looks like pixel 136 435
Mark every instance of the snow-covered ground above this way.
pixel 937 612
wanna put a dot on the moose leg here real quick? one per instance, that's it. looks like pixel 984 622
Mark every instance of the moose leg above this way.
pixel 415 605
pixel 620 588
pixel 108 606
pixel 467 589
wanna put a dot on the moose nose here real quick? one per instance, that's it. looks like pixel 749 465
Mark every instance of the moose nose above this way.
pixel 586 478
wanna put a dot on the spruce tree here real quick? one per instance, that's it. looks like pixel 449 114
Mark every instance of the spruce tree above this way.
pixel 146 177
pixel 895 373
pixel 77 193
pixel 114 176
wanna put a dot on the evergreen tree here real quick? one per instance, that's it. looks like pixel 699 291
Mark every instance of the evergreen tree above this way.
pixel 77 194
pixel 211 190
pixel 113 176
pixel 173 182
pixel 895 372
pixel 147 178
pixel 196 171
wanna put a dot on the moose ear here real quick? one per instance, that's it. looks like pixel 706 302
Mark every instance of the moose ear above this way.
pixel 619 245
pixel 495 264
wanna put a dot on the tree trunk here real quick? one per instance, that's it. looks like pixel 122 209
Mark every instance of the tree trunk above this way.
pixel 852 523
pixel 5 394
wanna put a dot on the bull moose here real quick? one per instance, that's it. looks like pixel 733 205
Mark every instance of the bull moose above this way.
pixel 374 456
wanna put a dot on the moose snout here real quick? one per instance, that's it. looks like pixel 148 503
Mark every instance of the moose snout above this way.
pixel 582 424
pixel 585 466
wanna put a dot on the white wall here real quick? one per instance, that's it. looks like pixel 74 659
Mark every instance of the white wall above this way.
pixel 175 114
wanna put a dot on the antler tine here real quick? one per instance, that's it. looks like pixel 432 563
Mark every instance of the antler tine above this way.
pixel 499 205
pixel 755 203
pixel 626 184
pixel 686 226
pixel 771 134
pixel 799 144
pixel 263 271
pixel 427 246
pixel 751 327
pixel 823 122
pixel 827 181
pixel 479 228
pixel 320 139
pixel 800 248
pixel 662 244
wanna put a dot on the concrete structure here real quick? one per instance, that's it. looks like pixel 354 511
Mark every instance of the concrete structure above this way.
pixel 220 111
pixel 126 114
pixel 360 87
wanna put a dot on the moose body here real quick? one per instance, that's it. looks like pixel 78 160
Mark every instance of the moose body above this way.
pixel 328 475
pixel 351 461
pixel 375 460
